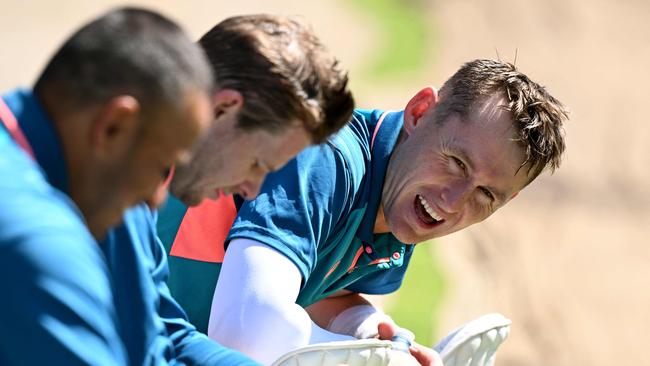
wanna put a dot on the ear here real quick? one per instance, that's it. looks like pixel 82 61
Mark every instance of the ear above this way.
pixel 115 125
pixel 424 100
pixel 227 101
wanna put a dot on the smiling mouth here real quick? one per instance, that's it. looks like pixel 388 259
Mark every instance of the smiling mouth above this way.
pixel 425 212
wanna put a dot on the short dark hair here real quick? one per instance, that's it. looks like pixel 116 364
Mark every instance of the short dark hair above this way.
pixel 283 72
pixel 127 51
pixel 537 115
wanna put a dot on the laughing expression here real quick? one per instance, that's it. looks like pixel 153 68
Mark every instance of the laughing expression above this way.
pixel 443 177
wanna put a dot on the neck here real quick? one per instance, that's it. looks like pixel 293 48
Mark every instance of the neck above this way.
pixel 68 132
pixel 72 135
pixel 380 222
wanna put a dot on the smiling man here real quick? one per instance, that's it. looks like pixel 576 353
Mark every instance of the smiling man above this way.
pixel 342 219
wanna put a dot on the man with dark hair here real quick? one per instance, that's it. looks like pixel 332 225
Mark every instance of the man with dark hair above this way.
pixel 341 221
pixel 278 90
pixel 122 101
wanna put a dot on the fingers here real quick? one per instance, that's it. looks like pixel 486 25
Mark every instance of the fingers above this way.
pixel 425 356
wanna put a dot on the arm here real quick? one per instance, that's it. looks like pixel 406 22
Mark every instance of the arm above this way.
pixel 191 347
pixel 254 307
pixel 351 313
pixel 347 313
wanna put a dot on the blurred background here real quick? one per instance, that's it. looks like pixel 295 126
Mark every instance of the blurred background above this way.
pixel 569 259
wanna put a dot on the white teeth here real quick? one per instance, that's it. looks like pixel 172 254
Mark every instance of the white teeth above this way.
pixel 428 208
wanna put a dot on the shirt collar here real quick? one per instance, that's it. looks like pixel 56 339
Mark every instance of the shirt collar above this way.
pixel 382 148
pixel 39 131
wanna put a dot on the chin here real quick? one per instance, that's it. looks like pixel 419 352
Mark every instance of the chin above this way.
pixel 404 233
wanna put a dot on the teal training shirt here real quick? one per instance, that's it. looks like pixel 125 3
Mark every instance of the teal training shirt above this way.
pixel 319 210
pixel 153 326
pixel 70 300
pixel 57 306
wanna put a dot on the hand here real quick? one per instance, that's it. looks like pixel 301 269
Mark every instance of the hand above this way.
pixel 424 355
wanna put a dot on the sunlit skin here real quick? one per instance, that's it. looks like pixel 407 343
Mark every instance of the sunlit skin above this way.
pixel 131 175
pixel 231 160
pixel 465 169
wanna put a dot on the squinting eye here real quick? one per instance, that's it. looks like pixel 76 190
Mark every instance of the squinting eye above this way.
pixel 460 163
pixel 487 193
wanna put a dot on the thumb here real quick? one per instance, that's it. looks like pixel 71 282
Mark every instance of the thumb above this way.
pixel 386 330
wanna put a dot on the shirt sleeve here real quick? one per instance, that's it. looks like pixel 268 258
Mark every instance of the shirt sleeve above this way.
pixel 384 281
pixel 298 206
pixel 191 346
pixel 57 305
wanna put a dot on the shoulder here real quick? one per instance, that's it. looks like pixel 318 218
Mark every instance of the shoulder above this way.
pixel 30 207
pixel 353 142
pixel 44 239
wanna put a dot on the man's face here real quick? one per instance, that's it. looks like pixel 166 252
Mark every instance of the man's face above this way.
pixel 164 142
pixel 446 176
pixel 232 160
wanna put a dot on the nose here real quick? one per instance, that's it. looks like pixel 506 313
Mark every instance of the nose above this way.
pixel 454 196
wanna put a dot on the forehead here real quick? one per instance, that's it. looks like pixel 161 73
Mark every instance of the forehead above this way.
pixel 280 146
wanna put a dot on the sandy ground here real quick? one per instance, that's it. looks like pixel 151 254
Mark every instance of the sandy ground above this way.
pixel 568 260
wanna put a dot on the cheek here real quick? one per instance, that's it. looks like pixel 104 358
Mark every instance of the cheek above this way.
pixel 477 211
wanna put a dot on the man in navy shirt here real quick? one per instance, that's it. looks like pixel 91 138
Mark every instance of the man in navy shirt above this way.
pixel 120 102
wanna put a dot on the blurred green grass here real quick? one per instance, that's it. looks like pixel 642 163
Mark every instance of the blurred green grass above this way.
pixel 416 305
pixel 405 37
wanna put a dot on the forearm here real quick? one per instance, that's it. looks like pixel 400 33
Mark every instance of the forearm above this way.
pixel 190 346
pixel 254 309
pixel 326 310
pixel 195 348
pixel 348 313
pixel 265 332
